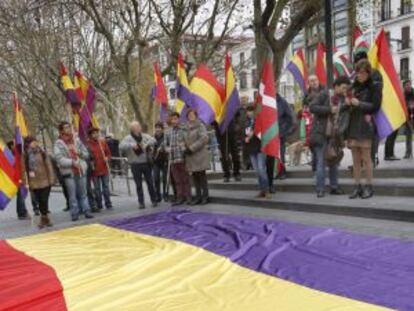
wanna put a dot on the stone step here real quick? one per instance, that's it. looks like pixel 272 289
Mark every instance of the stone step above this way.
pixel 389 172
pixel 385 186
pixel 379 207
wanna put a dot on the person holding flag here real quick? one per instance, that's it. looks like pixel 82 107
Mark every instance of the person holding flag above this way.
pixel 71 156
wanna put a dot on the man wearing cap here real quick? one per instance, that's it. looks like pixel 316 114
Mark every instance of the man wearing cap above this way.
pixel 100 157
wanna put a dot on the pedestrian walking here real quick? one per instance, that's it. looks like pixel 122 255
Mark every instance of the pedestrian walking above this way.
pixel 40 177
pixel 175 146
pixel 325 136
pixel 360 133
pixel 100 159
pixel 71 156
pixel 197 157
pixel 138 148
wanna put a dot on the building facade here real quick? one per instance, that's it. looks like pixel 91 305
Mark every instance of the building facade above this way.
pixel 397 18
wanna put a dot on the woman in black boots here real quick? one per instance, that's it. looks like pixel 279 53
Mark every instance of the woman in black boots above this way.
pixel 362 105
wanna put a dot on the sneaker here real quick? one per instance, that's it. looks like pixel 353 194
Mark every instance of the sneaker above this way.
pixel 237 178
pixel 204 201
pixel 320 194
pixel 261 195
pixel 37 213
pixel 96 210
pixel 75 218
pixel 66 209
pixel 154 204
pixel 141 206
pixel 109 207
pixel 357 192
pixel 337 191
pixel 25 217
pixel 89 216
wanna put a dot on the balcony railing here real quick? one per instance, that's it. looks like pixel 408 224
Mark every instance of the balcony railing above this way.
pixel 405 45
pixel 405 75
pixel 406 9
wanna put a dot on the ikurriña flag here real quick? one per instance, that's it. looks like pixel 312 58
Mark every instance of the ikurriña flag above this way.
pixel 232 101
pixel 359 42
pixel 266 122
pixel 299 70
pixel 208 94
pixel 393 112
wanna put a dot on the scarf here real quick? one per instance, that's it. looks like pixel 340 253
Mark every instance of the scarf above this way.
pixel 73 153
pixel 138 140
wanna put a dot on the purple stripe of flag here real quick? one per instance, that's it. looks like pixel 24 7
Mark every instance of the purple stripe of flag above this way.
pixel 384 127
pixel 297 75
pixel 233 105
pixel 4 200
pixel 375 270
pixel 205 112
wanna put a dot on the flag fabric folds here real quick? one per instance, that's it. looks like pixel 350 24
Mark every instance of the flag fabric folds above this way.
pixel 266 121
pixel 342 64
pixel 160 93
pixel 183 91
pixel 20 133
pixel 85 116
pixel 208 94
pixel 320 68
pixel 8 183
pixel 359 42
pixel 298 68
pixel 393 112
pixel 232 101
pixel 72 96
pixel 187 260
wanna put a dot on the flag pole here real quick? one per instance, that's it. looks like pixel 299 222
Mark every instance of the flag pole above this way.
pixel 329 43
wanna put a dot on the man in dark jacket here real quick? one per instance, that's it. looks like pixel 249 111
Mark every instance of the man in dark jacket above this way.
pixel 409 100
pixel 229 148
pixel 286 127
pixel 324 108
pixel 113 145
pixel 314 90
pixel 160 167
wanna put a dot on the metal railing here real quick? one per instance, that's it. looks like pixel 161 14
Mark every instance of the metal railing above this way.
pixel 405 45
pixel 120 167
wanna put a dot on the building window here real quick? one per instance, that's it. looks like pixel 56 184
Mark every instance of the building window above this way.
pixel 404 68
pixel 254 78
pixel 243 80
pixel 405 38
pixel 406 7
pixel 241 58
pixel 385 10
pixel 172 93
pixel 254 56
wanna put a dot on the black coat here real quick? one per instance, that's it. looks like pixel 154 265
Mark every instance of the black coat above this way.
pixel 254 145
pixel 285 117
pixel 321 110
pixel 360 127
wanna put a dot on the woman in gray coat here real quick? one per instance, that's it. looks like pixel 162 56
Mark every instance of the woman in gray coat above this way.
pixel 197 157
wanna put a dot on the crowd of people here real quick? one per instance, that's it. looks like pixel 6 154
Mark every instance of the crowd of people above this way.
pixel 178 154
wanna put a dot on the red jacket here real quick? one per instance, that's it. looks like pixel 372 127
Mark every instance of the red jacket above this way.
pixel 99 151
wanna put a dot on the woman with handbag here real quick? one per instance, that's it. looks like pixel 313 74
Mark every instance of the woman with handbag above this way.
pixel 325 135
pixel 360 133
pixel 41 177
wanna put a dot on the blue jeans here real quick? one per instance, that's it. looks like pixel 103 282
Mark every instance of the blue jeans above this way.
pixel 78 199
pixel 20 205
pixel 258 161
pixel 101 188
pixel 320 169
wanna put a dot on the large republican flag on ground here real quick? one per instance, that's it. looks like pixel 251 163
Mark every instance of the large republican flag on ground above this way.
pixel 393 112
pixel 232 102
pixel 182 260
pixel 266 125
